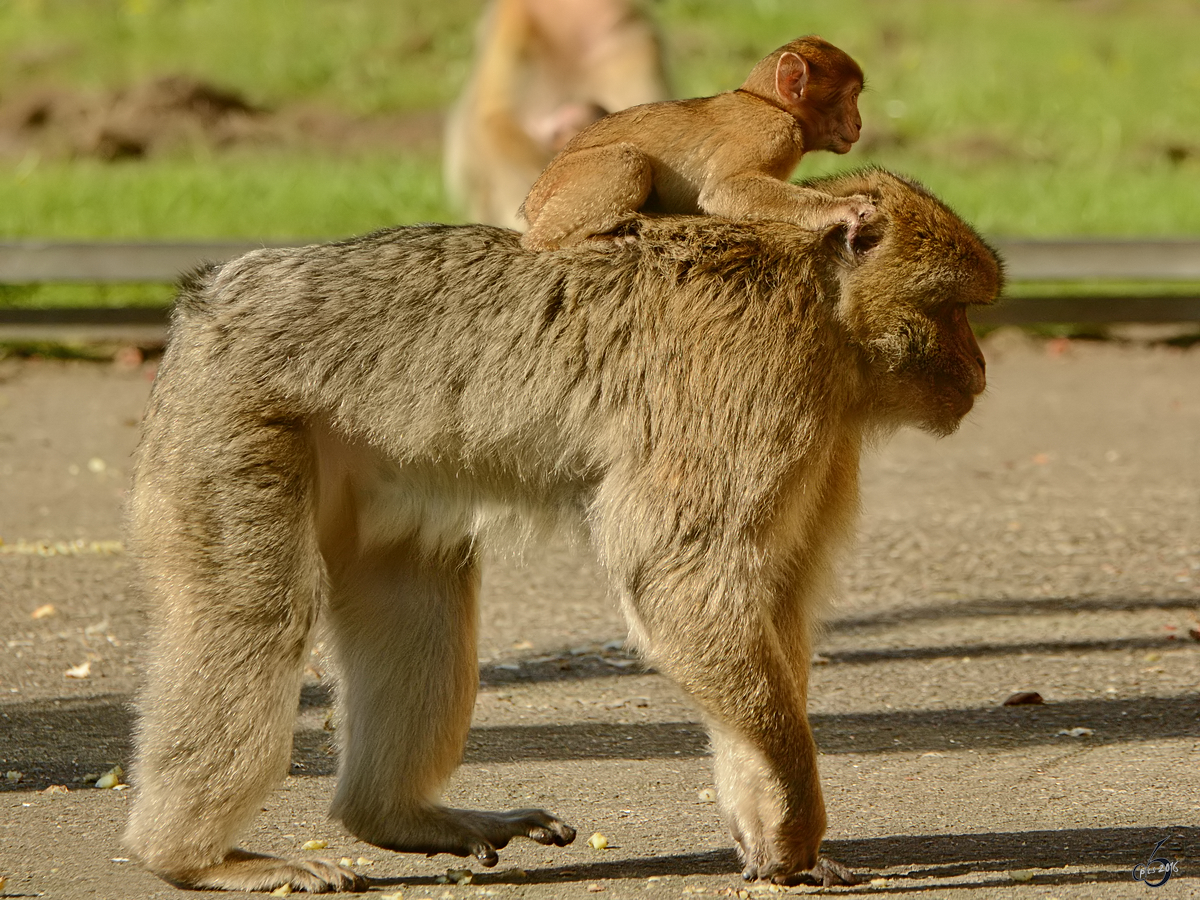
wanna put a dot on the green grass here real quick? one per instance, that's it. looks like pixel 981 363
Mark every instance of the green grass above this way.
pixel 1030 117
pixel 51 294
pixel 1114 288
pixel 236 195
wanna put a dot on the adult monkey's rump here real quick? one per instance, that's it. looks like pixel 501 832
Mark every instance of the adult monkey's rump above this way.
pixel 330 425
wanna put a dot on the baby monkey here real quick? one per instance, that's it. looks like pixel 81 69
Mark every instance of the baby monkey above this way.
pixel 728 155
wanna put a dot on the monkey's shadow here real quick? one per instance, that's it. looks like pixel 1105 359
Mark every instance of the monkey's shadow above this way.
pixel 1096 855
pixel 56 740
pixel 893 731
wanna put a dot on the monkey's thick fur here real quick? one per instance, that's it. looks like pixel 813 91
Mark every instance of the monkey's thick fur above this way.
pixel 331 426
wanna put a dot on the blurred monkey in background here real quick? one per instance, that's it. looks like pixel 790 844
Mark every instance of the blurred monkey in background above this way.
pixel 545 69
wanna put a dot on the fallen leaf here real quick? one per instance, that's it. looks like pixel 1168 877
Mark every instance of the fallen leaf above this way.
pixel 1076 732
pixel 83 670
pixel 111 778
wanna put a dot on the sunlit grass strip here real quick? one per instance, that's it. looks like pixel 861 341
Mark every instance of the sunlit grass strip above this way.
pixel 50 295
pixel 239 195
pixel 1114 289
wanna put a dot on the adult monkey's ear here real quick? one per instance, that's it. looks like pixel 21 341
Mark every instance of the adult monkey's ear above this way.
pixel 852 243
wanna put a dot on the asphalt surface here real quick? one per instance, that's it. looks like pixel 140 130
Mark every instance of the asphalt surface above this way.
pixel 1052 545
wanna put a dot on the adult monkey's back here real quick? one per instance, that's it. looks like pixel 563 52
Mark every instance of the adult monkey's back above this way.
pixel 330 423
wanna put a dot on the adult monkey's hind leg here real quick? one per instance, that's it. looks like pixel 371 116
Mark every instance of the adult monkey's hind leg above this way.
pixel 404 619
pixel 233 576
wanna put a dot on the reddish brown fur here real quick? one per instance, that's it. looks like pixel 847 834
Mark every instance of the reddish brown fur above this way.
pixel 728 155
pixel 828 112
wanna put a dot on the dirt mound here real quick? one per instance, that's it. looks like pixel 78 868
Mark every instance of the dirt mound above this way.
pixel 176 112
pixel 167 110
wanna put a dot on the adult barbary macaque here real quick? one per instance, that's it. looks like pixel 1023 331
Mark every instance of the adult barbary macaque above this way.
pixel 331 425
pixel 728 155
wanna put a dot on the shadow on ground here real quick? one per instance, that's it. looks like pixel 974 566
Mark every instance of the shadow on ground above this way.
pixel 1091 854
pixel 1017 606
pixel 57 741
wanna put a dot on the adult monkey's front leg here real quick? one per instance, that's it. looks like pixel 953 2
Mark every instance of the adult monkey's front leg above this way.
pixel 765 767
pixel 709 625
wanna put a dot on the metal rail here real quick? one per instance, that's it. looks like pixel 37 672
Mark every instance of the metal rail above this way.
pixel 1101 259
pixel 23 262
pixel 104 262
